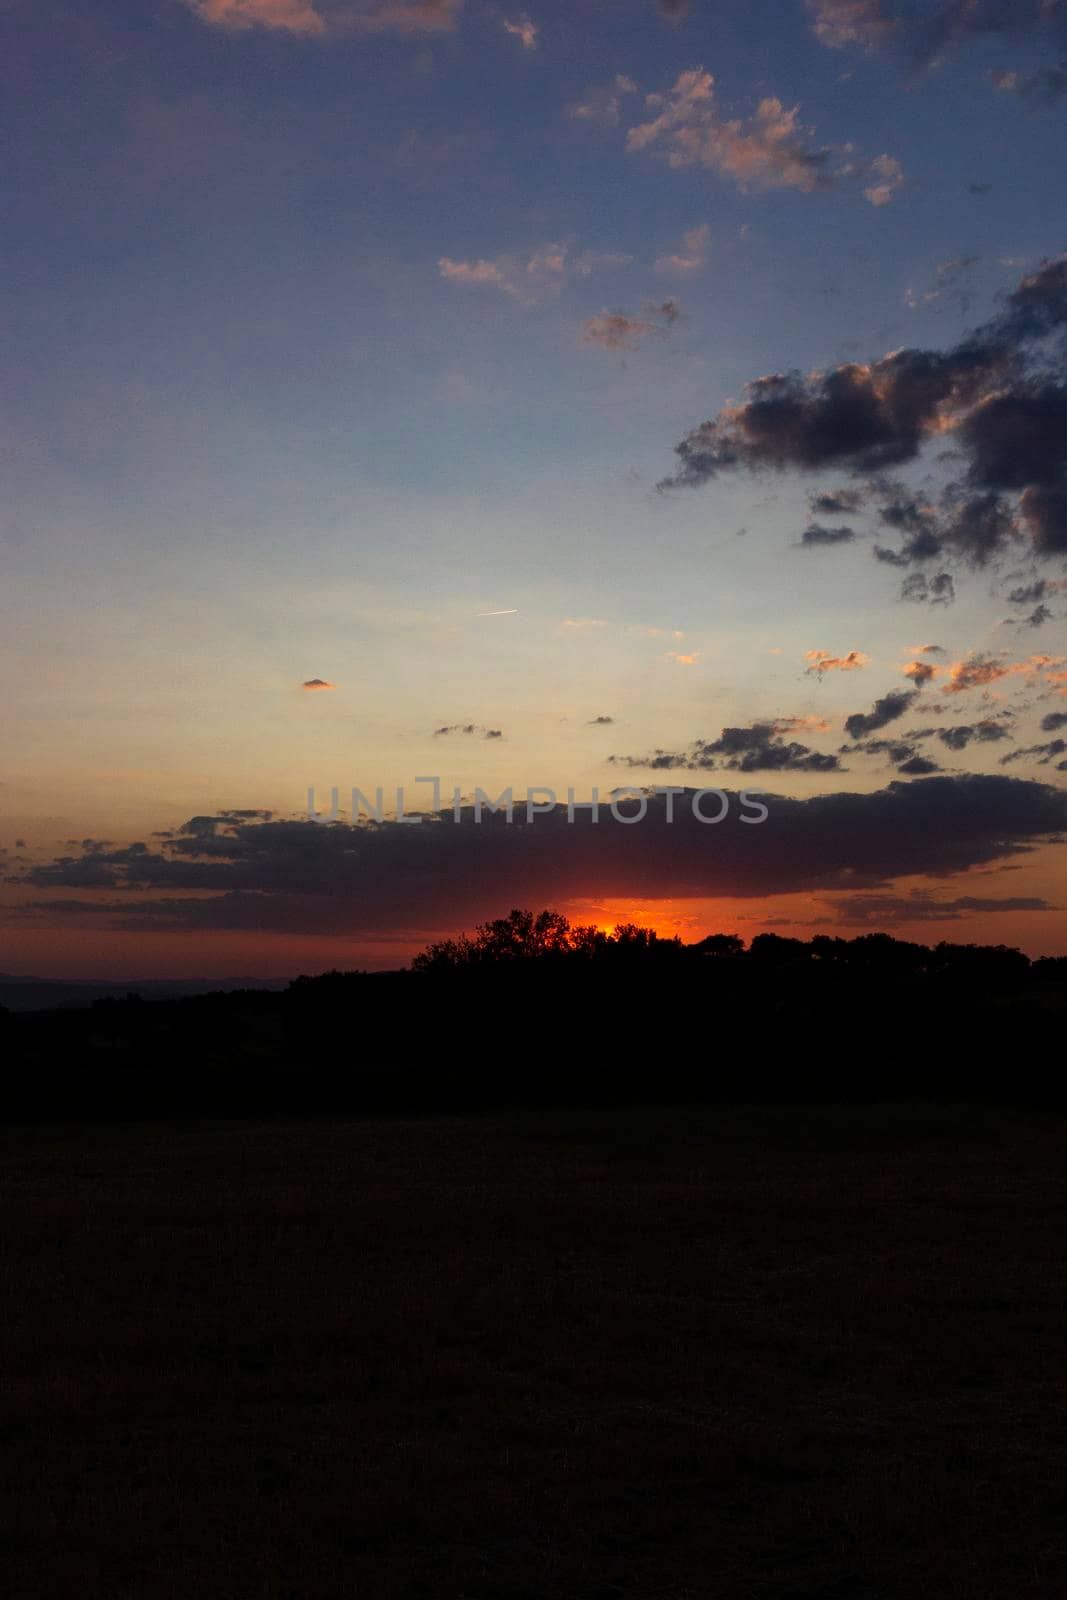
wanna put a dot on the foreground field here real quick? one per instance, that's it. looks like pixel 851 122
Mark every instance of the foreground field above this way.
pixel 677 1353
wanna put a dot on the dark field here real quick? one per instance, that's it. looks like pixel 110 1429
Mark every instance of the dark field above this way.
pixel 703 1353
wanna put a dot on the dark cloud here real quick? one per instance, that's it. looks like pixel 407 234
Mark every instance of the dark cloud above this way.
pixel 940 590
pixel 971 529
pixel 837 502
pixel 963 734
pixel 1028 593
pixel 922 37
pixel 861 417
pixel 884 711
pixel 759 748
pixel 468 729
pixel 1046 753
pixel 1049 724
pixel 817 533
pixel 898 750
pixel 669 310
pixel 889 910
pixel 1044 511
pixel 303 876
pixel 919 766
pixel 1001 394
pixel 602 722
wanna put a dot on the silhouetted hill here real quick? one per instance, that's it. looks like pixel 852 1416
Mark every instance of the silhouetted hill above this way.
pixel 51 994
pixel 526 1014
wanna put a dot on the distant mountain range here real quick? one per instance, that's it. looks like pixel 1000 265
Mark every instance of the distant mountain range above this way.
pixel 65 994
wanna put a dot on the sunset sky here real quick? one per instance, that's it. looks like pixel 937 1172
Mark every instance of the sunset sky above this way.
pixel 611 393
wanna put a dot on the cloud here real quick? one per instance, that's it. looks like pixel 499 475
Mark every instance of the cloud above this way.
pixel 603 106
pixel 821 661
pixel 691 259
pixel 886 710
pixel 920 905
pixel 1043 88
pixel 918 766
pixel 950 282
pixel 303 18
pixel 769 151
pixel 470 730
pixel 679 660
pixel 288 16
pixel 591 261
pixel 529 279
pixel 979 671
pixel 816 533
pixel 964 734
pixel 837 502
pixel 523 29
pixel 302 876
pixel 865 417
pixel 1049 724
pixel 840 24
pixel 920 672
pixel 615 330
pixel 1047 752
pixel 886 177
pixel 582 624
pixel 759 748
pixel 317 683
pixel 999 397
pixel 936 591
pixel 923 38
pixel 618 330
pixel 1026 594
pixel 601 722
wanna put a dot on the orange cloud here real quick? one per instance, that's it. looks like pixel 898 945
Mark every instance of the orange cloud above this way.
pixel 301 17
pixel 614 330
pixel 808 724
pixel 524 30
pixel 887 175
pixel 822 661
pixel 978 671
pixel 530 279
pixel 693 257
pixel 920 671
pixel 291 16
pixel 769 151
pixel 683 661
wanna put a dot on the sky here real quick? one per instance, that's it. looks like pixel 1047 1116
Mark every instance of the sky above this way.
pixel 617 394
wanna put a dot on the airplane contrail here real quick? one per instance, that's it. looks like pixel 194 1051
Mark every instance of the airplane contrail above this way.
pixel 511 612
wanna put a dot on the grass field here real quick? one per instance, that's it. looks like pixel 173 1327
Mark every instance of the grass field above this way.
pixel 677 1353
